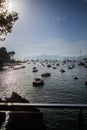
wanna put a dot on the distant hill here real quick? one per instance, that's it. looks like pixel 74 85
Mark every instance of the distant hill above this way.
pixel 46 57
pixel 55 57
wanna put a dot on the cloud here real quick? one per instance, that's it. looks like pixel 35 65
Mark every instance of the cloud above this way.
pixel 61 47
pixel 57 46
pixel 52 46
pixel 64 16
pixel 61 18
pixel 58 18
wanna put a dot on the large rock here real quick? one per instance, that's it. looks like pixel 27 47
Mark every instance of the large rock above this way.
pixel 31 119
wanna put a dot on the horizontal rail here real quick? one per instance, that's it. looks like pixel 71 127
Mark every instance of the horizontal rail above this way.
pixel 23 106
pixel 27 107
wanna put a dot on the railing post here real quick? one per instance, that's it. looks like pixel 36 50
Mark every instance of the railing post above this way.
pixel 2 117
pixel 80 121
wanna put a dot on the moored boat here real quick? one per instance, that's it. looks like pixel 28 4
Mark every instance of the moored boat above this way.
pixel 38 82
pixel 62 70
pixel 46 74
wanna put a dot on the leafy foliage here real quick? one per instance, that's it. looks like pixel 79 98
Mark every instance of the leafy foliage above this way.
pixel 11 54
pixel 7 19
pixel 5 56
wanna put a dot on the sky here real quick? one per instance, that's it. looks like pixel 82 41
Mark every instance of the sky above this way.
pixel 50 27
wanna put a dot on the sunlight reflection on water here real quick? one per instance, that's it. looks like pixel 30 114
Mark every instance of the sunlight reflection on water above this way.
pixel 21 80
pixel 58 88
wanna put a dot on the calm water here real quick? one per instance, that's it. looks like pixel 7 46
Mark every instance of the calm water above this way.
pixel 58 88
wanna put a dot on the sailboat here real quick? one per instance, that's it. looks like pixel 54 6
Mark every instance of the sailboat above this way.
pixel 81 62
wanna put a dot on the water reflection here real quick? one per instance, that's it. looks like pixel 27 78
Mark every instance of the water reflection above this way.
pixel 8 81
pixel 9 78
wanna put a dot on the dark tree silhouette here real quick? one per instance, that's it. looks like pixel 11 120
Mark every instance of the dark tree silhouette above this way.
pixel 4 56
pixel 11 54
pixel 7 19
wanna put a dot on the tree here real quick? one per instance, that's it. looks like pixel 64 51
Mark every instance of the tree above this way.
pixel 11 54
pixel 7 19
pixel 4 57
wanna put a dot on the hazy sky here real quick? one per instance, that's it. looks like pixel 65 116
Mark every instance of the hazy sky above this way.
pixel 49 27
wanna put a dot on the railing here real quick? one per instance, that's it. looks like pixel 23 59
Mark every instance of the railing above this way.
pixel 19 107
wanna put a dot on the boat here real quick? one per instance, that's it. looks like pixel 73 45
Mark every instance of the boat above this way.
pixel 46 74
pixel 38 82
pixel 70 67
pixel 35 70
pixel 62 70
pixel 54 68
pixel 81 63
pixel 49 66
pixel 85 82
pixel 75 78
pixel 17 68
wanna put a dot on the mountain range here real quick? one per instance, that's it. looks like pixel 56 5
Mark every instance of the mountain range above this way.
pixel 55 57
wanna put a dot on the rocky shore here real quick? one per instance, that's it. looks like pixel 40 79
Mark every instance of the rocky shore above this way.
pixel 31 120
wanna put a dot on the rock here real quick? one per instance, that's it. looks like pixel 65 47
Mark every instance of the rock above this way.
pixel 16 98
pixel 28 120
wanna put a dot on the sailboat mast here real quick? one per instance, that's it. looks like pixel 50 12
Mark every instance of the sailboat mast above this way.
pixel 80 54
